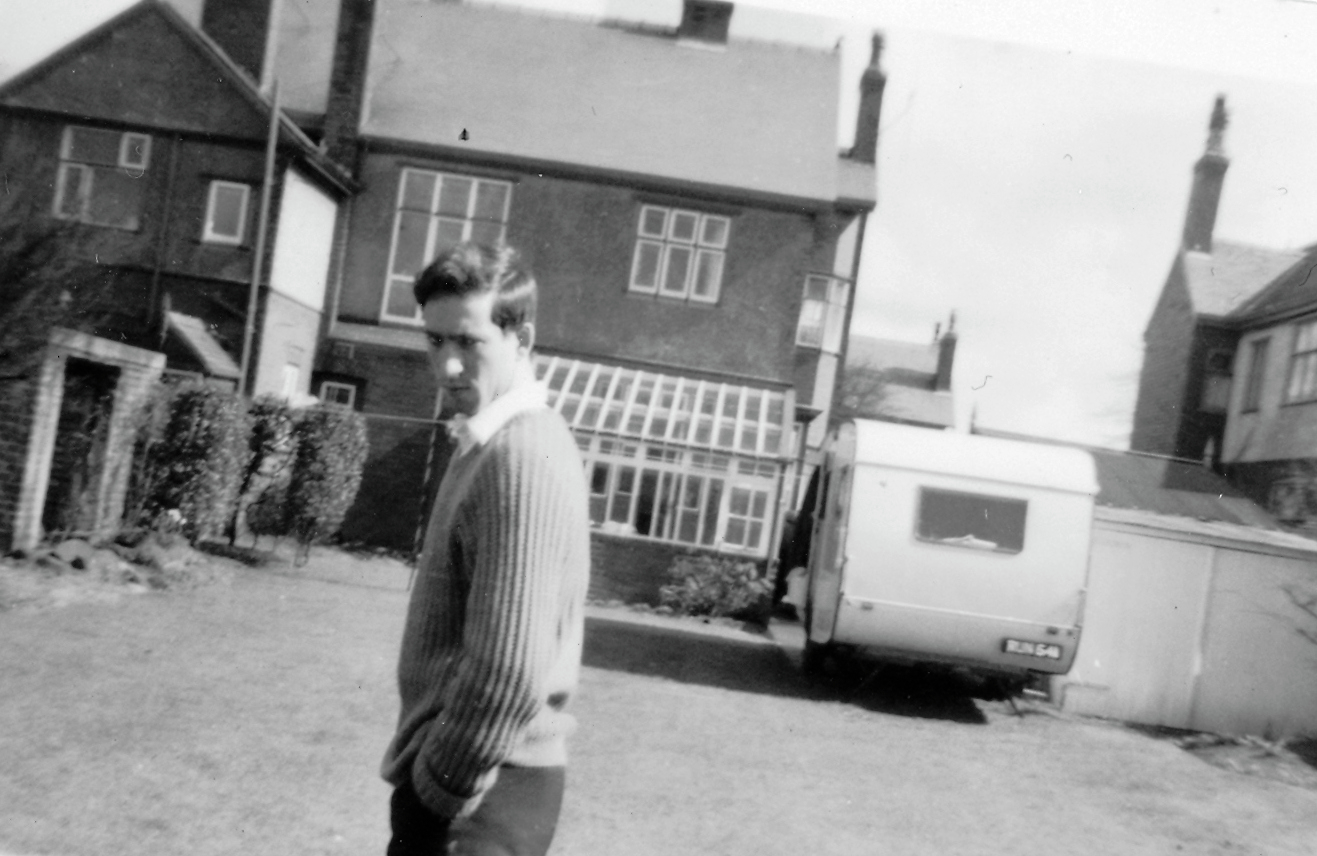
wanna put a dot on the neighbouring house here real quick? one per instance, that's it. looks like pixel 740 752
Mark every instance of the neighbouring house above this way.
pixel 907 382
pixel 684 204
pixel 1270 446
pixel 1191 339
pixel 1199 607
pixel 180 186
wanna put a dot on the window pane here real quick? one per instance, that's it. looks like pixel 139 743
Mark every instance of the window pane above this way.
pixel 455 195
pixel 484 232
pixel 708 275
pixel 715 231
pixel 711 508
pixel 115 199
pixel 653 222
pixel 644 272
pixel 72 177
pixel 772 441
pixel 645 500
pixel 677 271
pixel 816 288
pixel 409 251
pixel 739 502
pixel 401 303
pixel 683 226
pixel 227 204
pixel 971 520
pixel 735 531
pixel 756 530
pixel 731 403
pixel 491 198
pixel 418 190
pixel 448 233
pixel 749 437
pixel 620 511
pixel 559 376
pixel 94 145
pixel 759 504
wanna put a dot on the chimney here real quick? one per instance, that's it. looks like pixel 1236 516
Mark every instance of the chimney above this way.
pixel 705 21
pixel 1209 175
pixel 247 31
pixel 872 83
pixel 347 81
pixel 946 356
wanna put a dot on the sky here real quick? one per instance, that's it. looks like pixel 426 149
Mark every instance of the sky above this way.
pixel 1035 159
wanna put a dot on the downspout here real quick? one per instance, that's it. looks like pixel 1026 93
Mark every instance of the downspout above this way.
pixel 263 223
pixel 850 313
pixel 156 318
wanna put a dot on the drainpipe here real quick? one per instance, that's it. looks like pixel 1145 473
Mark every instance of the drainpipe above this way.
pixel 156 318
pixel 263 222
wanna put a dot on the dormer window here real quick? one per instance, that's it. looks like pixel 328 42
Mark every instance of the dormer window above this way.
pixel 102 176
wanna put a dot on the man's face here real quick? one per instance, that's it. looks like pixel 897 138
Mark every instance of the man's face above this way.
pixel 473 358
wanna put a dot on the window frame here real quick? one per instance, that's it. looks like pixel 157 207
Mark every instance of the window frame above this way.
pixel 1258 353
pixel 831 311
pixel 68 165
pixel 351 403
pixel 208 233
pixel 391 277
pixel 1302 364
pixel 668 240
pixel 974 543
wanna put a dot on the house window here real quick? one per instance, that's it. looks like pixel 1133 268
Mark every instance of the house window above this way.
pixel 822 313
pixel 226 213
pixel 679 495
pixel 1257 370
pixel 338 394
pixel 679 254
pixel 1303 364
pixel 971 520
pixel 436 210
pixel 101 177
pixel 1216 382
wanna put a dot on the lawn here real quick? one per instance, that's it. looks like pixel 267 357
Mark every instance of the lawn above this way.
pixel 249 717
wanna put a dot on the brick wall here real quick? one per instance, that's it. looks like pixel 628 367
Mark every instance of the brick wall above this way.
pixel 1168 342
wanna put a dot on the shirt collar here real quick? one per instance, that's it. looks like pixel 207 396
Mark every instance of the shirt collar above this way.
pixel 526 393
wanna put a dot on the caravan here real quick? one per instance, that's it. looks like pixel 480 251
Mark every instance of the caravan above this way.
pixel 939 547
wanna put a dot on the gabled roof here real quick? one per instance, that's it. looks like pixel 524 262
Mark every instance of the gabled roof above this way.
pixel 554 90
pixel 1293 291
pixel 1221 281
pixel 188 84
pixel 884 354
pixel 1160 485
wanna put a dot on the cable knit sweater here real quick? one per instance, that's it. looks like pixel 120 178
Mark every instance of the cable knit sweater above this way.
pixel 491 650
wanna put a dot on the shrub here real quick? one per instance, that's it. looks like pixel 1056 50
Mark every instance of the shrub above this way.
pixel 194 448
pixel 330 454
pixel 716 586
pixel 263 496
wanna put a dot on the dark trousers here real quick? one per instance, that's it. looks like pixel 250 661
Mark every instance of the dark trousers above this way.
pixel 516 818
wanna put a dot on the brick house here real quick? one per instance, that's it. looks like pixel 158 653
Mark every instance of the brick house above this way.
pixel 151 142
pixel 148 144
pixel 895 381
pixel 1270 446
pixel 1191 338
pixel 682 200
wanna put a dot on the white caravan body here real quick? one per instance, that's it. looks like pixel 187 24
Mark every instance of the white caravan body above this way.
pixel 936 546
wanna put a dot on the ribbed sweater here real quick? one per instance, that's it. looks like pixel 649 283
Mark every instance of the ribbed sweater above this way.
pixel 491 649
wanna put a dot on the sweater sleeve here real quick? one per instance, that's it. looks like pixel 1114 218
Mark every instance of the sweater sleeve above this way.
pixel 512 539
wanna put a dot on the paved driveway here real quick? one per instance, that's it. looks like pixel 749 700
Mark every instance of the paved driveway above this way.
pixel 250 718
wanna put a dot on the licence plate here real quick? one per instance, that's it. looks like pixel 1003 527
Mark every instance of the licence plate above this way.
pixel 1032 649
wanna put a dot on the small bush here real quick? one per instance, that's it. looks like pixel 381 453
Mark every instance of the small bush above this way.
pixel 264 492
pixel 194 446
pixel 716 586
pixel 330 453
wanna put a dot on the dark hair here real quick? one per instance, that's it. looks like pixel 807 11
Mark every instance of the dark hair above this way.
pixel 481 269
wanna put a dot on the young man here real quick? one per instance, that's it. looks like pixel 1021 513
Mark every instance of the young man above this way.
pixel 492 644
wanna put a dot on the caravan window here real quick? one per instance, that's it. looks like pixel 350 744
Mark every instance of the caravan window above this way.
pixel 971 520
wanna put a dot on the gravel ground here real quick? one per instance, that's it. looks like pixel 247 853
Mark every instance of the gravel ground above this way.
pixel 249 716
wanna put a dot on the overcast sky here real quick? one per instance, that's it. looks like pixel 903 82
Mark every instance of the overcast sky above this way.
pixel 1034 166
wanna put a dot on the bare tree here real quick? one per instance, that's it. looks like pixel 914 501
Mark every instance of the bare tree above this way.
pixel 861 394
pixel 39 277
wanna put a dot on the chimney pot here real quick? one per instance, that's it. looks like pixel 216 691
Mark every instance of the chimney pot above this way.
pixel 1209 177
pixel 872 83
